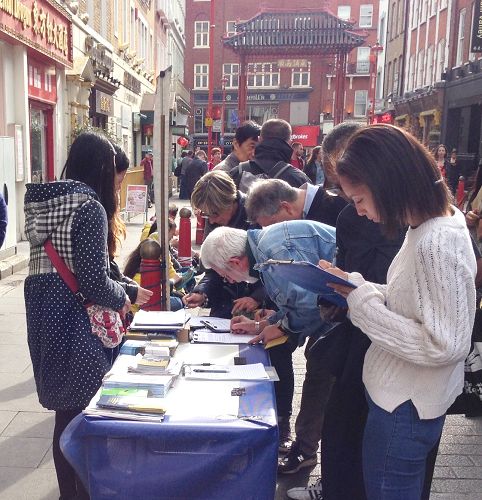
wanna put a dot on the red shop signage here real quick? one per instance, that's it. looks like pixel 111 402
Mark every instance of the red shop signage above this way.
pixel 42 83
pixel 306 134
pixel 42 25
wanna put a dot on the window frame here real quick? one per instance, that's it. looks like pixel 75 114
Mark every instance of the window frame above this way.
pixel 338 12
pixel 301 72
pixel 201 75
pixel 365 5
pixel 262 76
pixel 459 59
pixel 232 76
pixel 355 104
pixel 201 36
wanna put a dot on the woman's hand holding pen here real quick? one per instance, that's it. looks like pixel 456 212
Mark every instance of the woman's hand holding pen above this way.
pixel 343 290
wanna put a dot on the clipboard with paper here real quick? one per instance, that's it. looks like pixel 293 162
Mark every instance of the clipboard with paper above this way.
pixel 308 276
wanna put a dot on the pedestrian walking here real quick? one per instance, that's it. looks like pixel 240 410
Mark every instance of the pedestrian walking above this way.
pixel 146 164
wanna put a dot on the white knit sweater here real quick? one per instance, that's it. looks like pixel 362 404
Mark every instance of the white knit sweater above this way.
pixel 420 323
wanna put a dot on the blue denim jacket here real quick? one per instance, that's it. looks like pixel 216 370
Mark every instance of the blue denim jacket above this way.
pixel 300 240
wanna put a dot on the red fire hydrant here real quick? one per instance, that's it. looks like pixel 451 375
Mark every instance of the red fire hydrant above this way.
pixel 184 248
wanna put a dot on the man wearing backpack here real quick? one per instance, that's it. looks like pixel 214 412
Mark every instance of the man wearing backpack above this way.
pixel 271 158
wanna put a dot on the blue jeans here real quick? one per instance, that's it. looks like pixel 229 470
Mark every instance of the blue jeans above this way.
pixel 395 450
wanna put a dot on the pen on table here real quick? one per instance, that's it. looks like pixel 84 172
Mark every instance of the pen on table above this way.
pixel 197 370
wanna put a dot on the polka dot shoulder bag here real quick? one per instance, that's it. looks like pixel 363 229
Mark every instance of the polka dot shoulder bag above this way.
pixel 106 323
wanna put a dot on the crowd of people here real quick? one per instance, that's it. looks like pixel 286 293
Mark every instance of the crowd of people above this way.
pixel 370 205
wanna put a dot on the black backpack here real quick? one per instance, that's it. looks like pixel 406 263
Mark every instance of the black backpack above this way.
pixel 247 179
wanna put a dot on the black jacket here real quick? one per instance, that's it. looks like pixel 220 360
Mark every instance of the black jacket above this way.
pixel 310 171
pixel 220 294
pixel 326 207
pixel 195 170
pixel 267 154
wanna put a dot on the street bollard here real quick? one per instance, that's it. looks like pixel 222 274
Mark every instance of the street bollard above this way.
pixel 460 190
pixel 184 246
pixel 200 226
pixel 150 270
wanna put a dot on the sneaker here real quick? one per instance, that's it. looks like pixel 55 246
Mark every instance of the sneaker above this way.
pixel 285 446
pixel 312 492
pixel 295 460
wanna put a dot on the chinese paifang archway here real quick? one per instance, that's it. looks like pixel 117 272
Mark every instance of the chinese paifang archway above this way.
pixel 302 32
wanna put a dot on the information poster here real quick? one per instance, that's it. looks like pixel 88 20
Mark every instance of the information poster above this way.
pixel 136 198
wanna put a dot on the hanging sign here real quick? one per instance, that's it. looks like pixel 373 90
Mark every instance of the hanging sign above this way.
pixel 476 45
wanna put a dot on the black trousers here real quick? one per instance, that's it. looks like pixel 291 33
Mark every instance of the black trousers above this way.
pixel 70 485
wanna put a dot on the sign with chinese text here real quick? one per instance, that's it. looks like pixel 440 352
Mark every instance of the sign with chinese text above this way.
pixel 136 198
pixel 104 103
pixel 476 45
pixel 306 134
pixel 42 25
pixel 42 83
pixel 293 63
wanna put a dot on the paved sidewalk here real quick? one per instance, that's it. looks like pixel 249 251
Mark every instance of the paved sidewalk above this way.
pixel 26 467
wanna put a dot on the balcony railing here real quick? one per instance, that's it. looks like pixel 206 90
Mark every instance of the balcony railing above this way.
pixel 358 68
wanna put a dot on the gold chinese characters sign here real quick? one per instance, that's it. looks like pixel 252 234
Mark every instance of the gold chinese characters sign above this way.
pixel 41 24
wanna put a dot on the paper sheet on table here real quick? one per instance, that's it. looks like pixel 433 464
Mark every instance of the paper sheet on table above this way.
pixel 217 324
pixel 255 371
pixel 160 318
pixel 206 335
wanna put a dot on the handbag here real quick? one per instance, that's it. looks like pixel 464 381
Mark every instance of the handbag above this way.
pixel 106 323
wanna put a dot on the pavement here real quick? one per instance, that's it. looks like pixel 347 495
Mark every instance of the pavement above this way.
pixel 26 465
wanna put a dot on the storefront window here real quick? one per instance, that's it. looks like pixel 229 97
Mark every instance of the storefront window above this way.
pixel 260 114
pixel 38 145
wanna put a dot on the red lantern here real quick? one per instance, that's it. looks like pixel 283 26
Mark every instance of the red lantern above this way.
pixel 216 113
pixel 183 142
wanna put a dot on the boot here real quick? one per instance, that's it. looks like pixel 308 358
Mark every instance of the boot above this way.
pixel 285 440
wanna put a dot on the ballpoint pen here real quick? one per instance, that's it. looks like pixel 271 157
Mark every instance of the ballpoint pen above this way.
pixel 210 371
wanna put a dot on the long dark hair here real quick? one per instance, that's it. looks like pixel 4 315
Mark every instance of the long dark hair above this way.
pixel 91 161
pixel 314 154
pixel 400 173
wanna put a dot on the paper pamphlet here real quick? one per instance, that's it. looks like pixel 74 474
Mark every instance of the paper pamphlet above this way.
pixel 227 372
pixel 309 277
pixel 205 335
pixel 165 319
pixel 212 323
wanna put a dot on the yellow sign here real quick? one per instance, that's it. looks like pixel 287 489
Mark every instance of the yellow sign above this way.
pixel 208 122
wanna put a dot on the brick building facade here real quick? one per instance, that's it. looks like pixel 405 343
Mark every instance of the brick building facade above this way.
pixel 297 88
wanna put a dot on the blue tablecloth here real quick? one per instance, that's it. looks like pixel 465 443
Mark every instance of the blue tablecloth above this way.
pixel 234 459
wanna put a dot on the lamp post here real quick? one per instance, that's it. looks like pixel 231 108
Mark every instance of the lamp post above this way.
pixel 209 113
pixel 224 81
pixel 374 51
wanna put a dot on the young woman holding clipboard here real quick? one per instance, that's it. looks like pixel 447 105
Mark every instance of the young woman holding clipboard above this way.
pixel 420 323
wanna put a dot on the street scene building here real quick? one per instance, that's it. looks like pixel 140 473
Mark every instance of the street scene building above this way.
pixel 296 85
pixel 169 324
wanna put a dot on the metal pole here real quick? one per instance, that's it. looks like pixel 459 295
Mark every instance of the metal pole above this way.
pixel 209 114
pixel 242 89
pixel 222 108
pixel 161 178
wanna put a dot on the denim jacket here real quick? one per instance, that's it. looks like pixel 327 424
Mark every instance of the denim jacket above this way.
pixel 300 240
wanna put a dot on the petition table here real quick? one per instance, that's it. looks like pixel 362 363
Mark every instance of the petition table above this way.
pixel 211 445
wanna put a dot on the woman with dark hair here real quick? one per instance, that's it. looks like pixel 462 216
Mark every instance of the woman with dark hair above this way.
pixel 68 361
pixel 441 159
pixel 452 172
pixel 420 323
pixel 314 167
pixel 116 234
